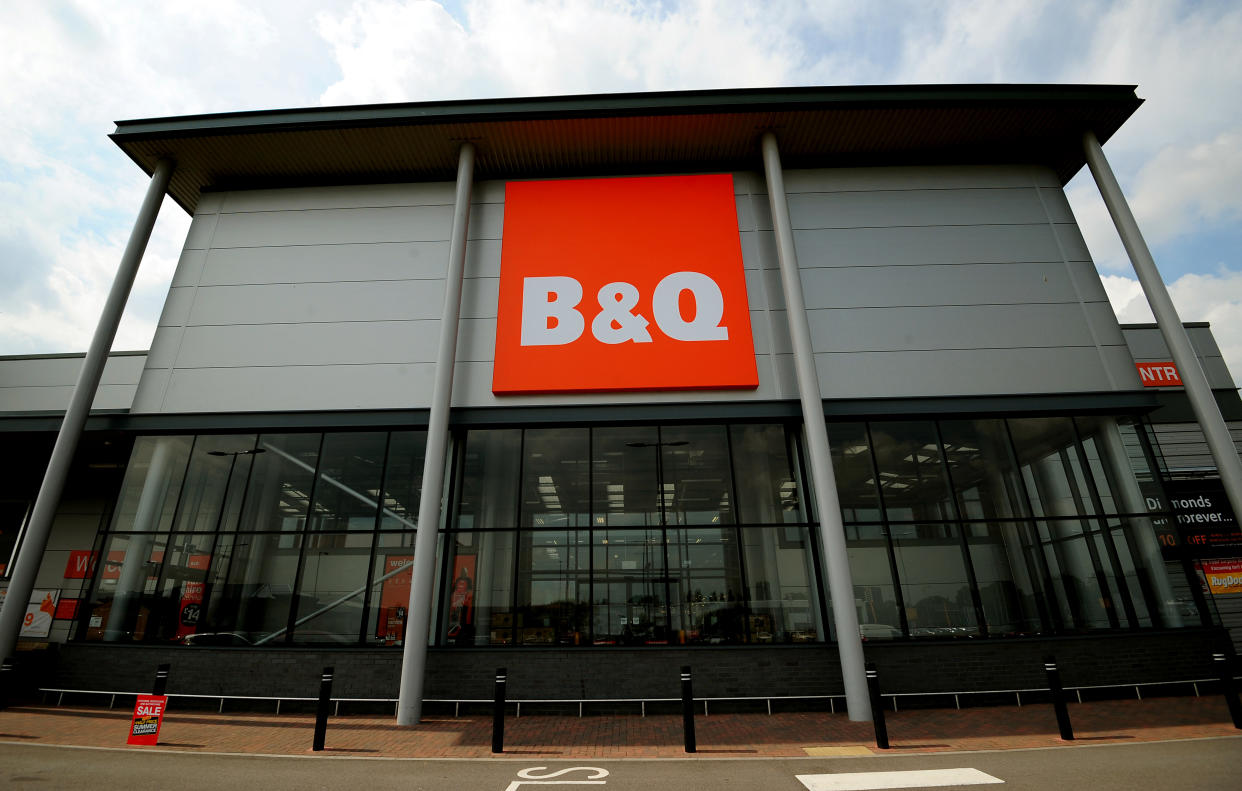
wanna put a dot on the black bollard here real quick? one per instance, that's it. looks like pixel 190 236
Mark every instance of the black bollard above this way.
pixel 1058 698
pixel 6 681
pixel 325 703
pixel 1228 688
pixel 877 707
pixel 161 679
pixel 498 712
pixel 687 709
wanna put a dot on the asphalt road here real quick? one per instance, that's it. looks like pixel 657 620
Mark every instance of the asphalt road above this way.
pixel 1199 764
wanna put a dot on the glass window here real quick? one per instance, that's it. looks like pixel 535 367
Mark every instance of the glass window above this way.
pixel 985 480
pixel 854 472
pixel 391 574
pixel 706 584
pixel 556 478
pixel 178 611
pixel 697 484
pixel 259 573
pixel 148 498
pixel 934 581
pixel 489 490
pixel 783 601
pixel 278 494
pixel 403 480
pixel 624 488
pixel 1082 602
pixel 1048 457
pixel 553 588
pixel 767 488
pixel 1010 588
pixel 125 595
pixel 328 607
pixel 214 483
pixel 351 467
pixel 879 610
pixel 912 480
pixel 629 598
pixel 478 602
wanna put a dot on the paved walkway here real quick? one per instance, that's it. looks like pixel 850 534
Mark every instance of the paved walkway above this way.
pixel 632 736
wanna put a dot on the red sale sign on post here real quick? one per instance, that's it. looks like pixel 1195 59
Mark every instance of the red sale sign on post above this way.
pixel 148 716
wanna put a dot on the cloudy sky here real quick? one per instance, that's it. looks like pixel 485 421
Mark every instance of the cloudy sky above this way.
pixel 70 69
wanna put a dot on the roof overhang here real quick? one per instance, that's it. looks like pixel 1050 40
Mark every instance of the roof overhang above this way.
pixel 631 133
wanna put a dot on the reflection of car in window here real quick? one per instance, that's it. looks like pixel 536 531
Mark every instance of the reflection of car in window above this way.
pixel 878 631
pixel 217 639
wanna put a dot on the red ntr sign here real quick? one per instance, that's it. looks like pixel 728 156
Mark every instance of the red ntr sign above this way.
pixel 148 716
pixel 622 284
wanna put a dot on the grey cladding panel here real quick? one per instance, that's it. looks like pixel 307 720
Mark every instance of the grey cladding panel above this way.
pixel 1104 323
pixel 352 226
pixel 63 371
pixel 406 386
pixel 480 297
pixel 189 267
pixel 472 387
pixel 1087 281
pixel 476 340
pixel 960 284
pixel 948 327
pixel 309 344
pixel 303 264
pixel 981 244
pixel 961 372
pixel 1056 204
pixel 352 196
pixel 914 178
pixel 209 203
pixel 482 258
pixel 1072 243
pixel 1147 344
pixel 915 207
pixel 56 398
pixel 200 235
pixel 316 302
pixel 177 306
pixel 1203 341
pixel 164 347
pixel 1117 360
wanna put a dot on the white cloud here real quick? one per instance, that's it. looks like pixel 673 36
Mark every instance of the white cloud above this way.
pixel 405 51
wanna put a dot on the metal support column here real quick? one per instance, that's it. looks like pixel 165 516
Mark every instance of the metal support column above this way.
pixel 1206 410
pixel 418 620
pixel 35 540
pixel 831 526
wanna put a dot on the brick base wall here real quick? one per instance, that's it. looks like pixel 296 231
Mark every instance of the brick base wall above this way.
pixel 742 671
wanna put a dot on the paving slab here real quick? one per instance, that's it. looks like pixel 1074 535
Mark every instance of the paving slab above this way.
pixel 803 734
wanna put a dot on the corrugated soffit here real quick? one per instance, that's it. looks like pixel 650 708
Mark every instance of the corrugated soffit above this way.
pixel 253 157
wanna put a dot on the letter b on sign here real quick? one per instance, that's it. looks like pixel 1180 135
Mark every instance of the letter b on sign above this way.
pixel 622 284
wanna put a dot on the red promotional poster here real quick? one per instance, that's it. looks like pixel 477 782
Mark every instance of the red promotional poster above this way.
pixel 66 609
pixel 81 564
pixel 394 598
pixel 461 600
pixel 191 609
pixel 148 716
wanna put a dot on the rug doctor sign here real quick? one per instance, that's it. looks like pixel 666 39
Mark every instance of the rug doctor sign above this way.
pixel 622 284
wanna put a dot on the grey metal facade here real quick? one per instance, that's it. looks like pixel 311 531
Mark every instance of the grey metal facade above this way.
pixel 921 281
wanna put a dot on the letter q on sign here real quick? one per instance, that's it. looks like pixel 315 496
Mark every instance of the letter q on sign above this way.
pixel 622 284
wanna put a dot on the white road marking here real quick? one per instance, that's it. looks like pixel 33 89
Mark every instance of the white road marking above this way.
pixel 922 778
pixel 529 779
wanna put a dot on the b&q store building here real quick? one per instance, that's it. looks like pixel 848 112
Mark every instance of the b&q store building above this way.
pixel 766 382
